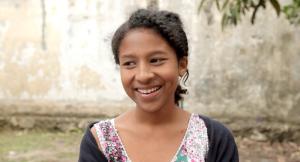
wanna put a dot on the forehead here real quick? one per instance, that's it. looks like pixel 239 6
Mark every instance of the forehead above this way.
pixel 143 40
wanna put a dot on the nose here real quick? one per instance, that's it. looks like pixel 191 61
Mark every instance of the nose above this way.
pixel 144 74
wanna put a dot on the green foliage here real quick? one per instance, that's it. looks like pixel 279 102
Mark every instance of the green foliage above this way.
pixel 292 12
pixel 233 10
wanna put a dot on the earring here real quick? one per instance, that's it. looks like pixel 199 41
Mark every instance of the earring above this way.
pixel 182 73
pixel 179 79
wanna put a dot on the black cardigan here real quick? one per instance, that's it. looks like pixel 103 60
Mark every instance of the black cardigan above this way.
pixel 222 147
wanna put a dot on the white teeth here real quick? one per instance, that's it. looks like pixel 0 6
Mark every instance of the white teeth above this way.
pixel 147 91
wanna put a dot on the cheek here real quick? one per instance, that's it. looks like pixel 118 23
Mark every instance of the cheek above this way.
pixel 170 75
pixel 125 78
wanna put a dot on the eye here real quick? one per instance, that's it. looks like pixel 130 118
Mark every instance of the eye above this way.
pixel 157 61
pixel 129 64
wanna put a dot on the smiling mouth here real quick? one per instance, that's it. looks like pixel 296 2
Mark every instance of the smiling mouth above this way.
pixel 148 90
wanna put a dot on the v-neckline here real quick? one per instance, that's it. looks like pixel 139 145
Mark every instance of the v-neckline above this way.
pixel 178 149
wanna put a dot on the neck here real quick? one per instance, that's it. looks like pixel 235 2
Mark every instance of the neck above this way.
pixel 163 116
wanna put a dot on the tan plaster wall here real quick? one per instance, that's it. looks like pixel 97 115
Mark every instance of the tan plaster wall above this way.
pixel 247 71
pixel 26 69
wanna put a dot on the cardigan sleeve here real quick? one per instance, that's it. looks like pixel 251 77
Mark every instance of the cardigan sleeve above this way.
pixel 89 151
pixel 222 146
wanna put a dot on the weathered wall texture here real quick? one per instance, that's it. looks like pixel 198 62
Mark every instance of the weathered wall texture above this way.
pixel 58 50
pixel 247 70
pixel 54 52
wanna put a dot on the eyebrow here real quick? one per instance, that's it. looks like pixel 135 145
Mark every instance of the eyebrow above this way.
pixel 156 52
pixel 127 56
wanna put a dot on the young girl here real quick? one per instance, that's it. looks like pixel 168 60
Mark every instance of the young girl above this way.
pixel 151 49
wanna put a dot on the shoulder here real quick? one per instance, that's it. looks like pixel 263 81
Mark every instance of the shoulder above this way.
pixel 222 145
pixel 215 128
pixel 89 150
pixel 89 133
pixel 89 137
pixel 102 126
pixel 95 135
pixel 101 130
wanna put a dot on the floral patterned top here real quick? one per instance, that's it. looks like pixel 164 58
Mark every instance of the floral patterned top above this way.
pixel 193 148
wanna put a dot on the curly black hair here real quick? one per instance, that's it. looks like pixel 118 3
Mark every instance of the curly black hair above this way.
pixel 167 24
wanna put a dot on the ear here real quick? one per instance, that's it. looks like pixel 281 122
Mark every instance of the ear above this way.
pixel 182 65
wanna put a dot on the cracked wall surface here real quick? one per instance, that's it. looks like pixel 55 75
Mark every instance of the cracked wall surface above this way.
pixel 59 51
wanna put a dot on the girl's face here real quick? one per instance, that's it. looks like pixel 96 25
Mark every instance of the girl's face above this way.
pixel 149 69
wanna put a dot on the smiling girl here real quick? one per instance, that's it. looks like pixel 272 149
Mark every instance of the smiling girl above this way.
pixel 151 49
